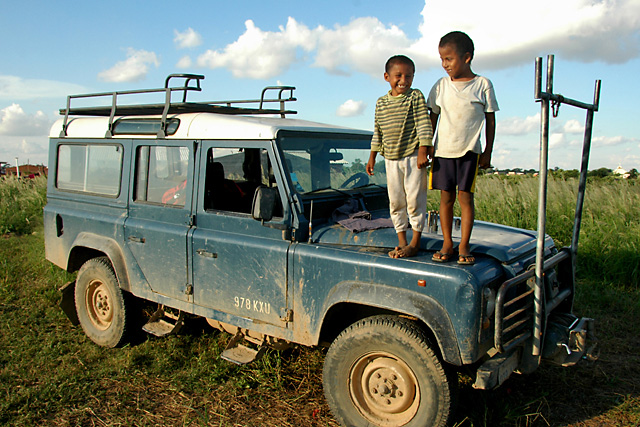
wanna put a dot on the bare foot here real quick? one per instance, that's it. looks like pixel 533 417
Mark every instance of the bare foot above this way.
pixel 406 251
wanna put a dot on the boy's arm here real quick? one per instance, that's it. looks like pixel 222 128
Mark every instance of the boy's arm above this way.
pixel 434 120
pixel 490 134
pixel 372 162
pixel 423 156
pixel 421 118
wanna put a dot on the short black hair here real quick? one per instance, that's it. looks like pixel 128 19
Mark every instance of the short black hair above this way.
pixel 399 59
pixel 460 40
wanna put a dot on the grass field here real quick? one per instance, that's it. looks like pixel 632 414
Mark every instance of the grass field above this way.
pixel 52 375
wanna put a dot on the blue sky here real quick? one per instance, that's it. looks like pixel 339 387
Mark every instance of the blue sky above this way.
pixel 334 53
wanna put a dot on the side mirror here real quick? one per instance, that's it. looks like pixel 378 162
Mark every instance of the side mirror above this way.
pixel 264 202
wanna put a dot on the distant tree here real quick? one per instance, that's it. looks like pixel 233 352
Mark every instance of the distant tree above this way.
pixel 633 173
pixel 599 173
pixel 572 173
pixel 357 166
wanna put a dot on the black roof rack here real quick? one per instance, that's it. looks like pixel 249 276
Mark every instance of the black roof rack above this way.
pixel 191 82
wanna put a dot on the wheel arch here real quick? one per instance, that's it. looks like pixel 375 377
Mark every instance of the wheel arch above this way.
pixel 350 303
pixel 88 245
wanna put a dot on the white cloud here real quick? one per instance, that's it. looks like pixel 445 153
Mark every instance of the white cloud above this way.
pixel 16 88
pixel 31 148
pixel 573 126
pixel 557 140
pixel 15 122
pixel 613 140
pixel 184 62
pixel 133 69
pixel 351 108
pixel 187 39
pixel 261 54
pixel 362 45
pixel 518 125
pixel 583 30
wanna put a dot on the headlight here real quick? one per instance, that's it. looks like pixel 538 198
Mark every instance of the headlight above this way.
pixel 489 302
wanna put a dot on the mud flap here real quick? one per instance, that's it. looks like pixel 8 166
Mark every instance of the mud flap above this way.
pixel 68 302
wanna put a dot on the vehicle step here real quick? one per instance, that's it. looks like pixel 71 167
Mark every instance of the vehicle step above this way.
pixel 241 354
pixel 164 323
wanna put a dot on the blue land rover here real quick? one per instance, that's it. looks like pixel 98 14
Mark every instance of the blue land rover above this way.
pixel 268 227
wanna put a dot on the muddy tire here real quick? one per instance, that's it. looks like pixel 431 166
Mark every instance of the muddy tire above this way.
pixel 381 371
pixel 100 303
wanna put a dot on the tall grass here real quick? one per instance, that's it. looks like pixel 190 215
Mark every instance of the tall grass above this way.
pixel 609 240
pixel 21 202
pixel 51 374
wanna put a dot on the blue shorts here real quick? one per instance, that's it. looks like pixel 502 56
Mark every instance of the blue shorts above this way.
pixel 449 174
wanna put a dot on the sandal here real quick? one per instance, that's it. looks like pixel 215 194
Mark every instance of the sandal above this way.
pixel 441 257
pixel 466 259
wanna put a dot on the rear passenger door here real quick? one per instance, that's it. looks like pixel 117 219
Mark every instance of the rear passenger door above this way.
pixel 160 215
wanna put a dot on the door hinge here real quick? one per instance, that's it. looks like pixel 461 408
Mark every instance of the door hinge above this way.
pixel 288 316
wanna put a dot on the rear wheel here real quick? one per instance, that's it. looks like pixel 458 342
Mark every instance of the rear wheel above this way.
pixel 381 371
pixel 100 303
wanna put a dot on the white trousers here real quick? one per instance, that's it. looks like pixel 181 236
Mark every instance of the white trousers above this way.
pixel 407 187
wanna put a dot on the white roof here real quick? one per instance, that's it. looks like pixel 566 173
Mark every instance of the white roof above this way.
pixel 204 126
pixel 619 170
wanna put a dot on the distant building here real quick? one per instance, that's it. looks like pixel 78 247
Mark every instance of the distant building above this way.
pixel 28 171
pixel 621 172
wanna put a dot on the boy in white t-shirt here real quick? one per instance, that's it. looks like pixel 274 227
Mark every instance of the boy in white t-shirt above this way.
pixel 461 104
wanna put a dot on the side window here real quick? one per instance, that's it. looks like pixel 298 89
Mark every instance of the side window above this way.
pixel 89 168
pixel 161 175
pixel 232 177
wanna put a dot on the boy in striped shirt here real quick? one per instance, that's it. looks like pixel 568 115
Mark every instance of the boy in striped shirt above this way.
pixel 403 135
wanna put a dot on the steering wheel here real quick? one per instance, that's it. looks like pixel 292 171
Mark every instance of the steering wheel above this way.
pixel 359 179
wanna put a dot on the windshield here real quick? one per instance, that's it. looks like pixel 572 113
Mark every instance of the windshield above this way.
pixel 328 163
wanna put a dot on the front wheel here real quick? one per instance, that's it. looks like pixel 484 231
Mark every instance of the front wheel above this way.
pixel 100 303
pixel 381 371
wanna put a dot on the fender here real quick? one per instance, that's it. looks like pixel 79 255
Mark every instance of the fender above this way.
pixel 105 245
pixel 413 304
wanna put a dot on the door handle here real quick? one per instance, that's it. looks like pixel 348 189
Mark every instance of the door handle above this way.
pixel 136 239
pixel 206 254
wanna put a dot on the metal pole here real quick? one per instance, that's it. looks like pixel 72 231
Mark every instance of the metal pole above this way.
pixel 542 211
pixel 17 169
pixel 586 148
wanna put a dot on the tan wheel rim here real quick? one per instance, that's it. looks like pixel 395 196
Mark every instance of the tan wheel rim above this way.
pixel 99 305
pixel 384 389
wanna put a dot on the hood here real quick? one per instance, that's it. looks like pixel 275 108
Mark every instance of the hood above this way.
pixel 503 243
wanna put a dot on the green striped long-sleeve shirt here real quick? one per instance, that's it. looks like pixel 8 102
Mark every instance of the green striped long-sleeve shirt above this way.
pixel 402 124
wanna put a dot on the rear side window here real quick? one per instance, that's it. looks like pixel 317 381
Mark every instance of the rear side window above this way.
pixel 143 126
pixel 90 168
pixel 161 175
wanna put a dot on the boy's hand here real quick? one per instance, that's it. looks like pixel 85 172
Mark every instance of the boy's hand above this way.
pixel 423 157
pixel 485 160
pixel 371 163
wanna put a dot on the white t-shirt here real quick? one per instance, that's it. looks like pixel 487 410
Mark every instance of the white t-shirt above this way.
pixel 461 108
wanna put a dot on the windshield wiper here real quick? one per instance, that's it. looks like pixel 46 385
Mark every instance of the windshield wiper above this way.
pixel 371 184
